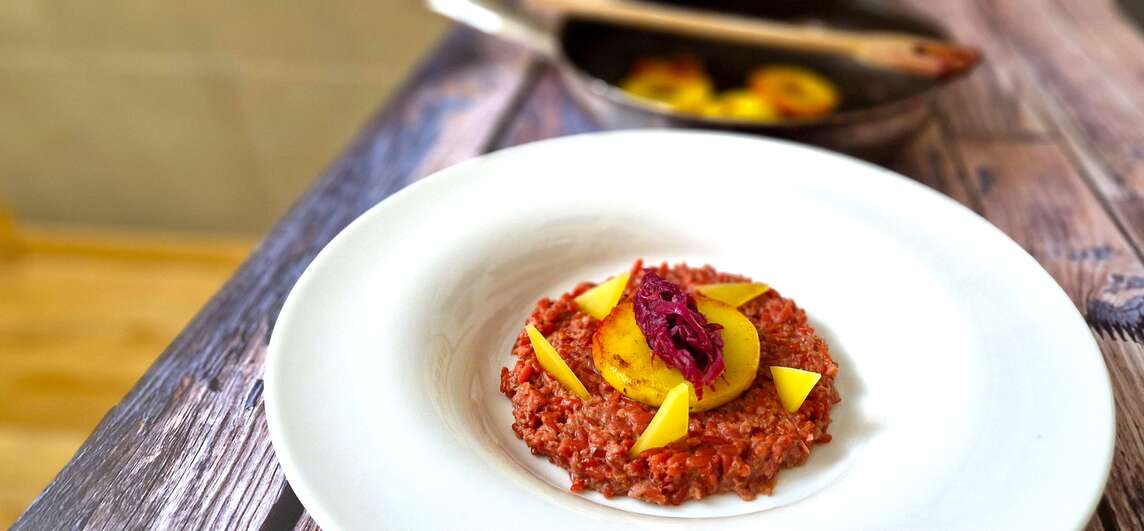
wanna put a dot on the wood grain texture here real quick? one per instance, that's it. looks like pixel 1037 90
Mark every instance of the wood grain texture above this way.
pixel 1123 505
pixel 188 446
pixel 1086 60
pixel 307 524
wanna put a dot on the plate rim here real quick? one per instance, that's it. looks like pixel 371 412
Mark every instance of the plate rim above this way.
pixel 272 371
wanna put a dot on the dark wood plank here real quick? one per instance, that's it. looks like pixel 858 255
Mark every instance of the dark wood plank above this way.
pixel 307 524
pixel 1123 505
pixel 1009 113
pixel 188 446
pixel 1087 61
pixel 1095 525
pixel 929 159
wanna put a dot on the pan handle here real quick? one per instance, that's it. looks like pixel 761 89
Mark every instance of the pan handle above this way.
pixel 499 18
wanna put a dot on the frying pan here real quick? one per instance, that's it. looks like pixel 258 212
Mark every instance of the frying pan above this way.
pixel 878 111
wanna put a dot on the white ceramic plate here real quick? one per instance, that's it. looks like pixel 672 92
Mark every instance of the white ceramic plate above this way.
pixel 974 396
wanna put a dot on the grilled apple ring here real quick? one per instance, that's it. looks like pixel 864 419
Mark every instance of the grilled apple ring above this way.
pixel 797 92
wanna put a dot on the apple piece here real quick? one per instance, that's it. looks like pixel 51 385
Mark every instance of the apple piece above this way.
pixel 742 105
pixel 669 423
pixel 623 357
pixel 793 386
pixel 733 293
pixel 551 361
pixel 798 92
pixel 599 301
pixel 679 83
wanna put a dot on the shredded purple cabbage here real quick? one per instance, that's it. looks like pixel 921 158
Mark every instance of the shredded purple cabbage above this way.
pixel 677 332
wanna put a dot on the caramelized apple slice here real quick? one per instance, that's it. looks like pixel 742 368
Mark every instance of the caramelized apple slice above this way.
pixel 669 423
pixel 552 363
pixel 793 386
pixel 600 300
pixel 733 293
pixel 622 355
pixel 798 92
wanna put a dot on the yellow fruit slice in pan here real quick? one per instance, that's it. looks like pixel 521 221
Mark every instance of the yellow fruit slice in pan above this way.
pixel 797 92
pixel 553 364
pixel 678 83
pixel 741 105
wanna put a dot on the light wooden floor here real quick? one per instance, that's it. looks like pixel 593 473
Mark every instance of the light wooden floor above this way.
pixel 81 317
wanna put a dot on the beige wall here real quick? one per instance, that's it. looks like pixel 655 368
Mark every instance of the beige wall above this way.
pixel 193 115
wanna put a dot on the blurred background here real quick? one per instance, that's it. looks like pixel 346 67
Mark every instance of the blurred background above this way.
pixel 146 149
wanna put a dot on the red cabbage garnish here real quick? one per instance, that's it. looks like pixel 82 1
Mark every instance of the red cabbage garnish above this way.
pixel 677 332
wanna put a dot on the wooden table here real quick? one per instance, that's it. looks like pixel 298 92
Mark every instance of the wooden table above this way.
pixel 1046 141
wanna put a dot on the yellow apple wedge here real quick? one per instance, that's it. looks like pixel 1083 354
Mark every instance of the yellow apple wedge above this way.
pixel 793 386
pixel 599 301
pixel 732 293
pixel 552 363
pixel 669 423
